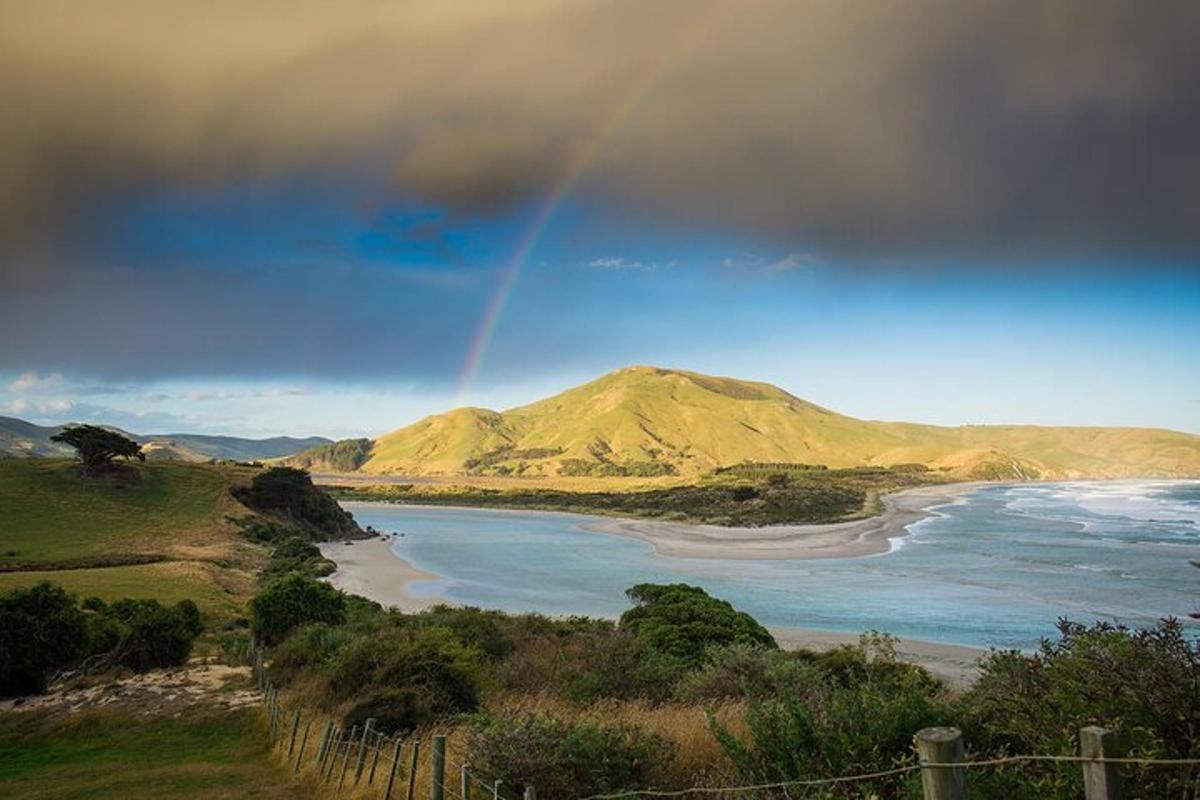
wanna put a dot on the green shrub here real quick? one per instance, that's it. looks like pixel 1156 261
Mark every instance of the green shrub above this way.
pixel 394 710
pixel 296 554
pixel 292 601
pixel 288 494
pixel 41 632
pixel 827 730
pixel 562 759
pixel 684 622
pixel 150 634
pixel 1145 684
pixel 472 626
pixel 261 530
pixel 873 659
pixel 310 648
pixel 746 671
pixel 429 660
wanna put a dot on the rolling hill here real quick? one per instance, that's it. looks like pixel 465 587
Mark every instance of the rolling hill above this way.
pixel 21 439
pixel 646 421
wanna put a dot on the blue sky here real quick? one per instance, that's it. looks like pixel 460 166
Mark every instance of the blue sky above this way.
pixel 282 219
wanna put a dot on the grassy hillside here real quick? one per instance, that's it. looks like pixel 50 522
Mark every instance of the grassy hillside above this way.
pixel 164 536
pixel 21 439
pixel 110 755
pixel 645 421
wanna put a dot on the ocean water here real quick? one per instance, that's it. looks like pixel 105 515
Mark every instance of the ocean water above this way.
pixel 997 567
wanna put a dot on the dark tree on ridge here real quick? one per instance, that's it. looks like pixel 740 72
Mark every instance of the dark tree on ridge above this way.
pixel 98 447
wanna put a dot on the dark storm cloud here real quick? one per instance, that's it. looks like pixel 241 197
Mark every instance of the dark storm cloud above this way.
pixel 848 126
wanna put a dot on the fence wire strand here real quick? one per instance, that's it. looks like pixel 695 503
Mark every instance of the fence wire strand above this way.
pixel 987 762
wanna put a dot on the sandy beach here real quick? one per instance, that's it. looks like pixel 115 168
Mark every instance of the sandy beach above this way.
pixel 862 537
pixel 368 568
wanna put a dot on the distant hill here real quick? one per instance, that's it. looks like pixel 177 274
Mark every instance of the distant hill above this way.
pixel 645 421
pixel 21 439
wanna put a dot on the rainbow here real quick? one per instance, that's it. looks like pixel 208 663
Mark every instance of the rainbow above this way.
pixel 574 167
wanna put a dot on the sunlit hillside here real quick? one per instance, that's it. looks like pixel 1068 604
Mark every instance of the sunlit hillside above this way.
pixel 646 421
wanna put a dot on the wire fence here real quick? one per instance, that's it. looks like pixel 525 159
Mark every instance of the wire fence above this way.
pixel 361 763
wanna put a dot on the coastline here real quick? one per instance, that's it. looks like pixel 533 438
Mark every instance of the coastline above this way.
pixel 863 537
pixel 369 568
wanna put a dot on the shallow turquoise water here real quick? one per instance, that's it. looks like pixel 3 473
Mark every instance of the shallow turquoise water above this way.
pixel 998 567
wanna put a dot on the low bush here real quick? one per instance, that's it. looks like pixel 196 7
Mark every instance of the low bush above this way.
pixel 395 711
pixel 431 661
pixel 144 634
pixel 684 622
pixel 288 495
pixel 483 630
pixel 41 631
pixel 296 554
pixel 310 648
pixel 291 601
pixel 744 671
pixel 563 759
pixel 1143 683
pixel 825 729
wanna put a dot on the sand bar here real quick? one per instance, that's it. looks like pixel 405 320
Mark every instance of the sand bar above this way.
pixel 369 568
pixel 862 537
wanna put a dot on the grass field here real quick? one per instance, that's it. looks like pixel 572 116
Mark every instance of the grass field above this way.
pixel 217 591
pixel 47 513
pixel 76 533
pixel 97 755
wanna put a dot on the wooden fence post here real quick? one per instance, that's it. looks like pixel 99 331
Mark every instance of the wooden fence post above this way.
pixel 496 789
pixel 362 751
pixel 464 782
pixel 346 760
pixel 303 744
pixel 295 730
pixel 379 737
pixel 1099 779
pixel 387 793
pixel 411 786
pixel 331 753
pixel 323 748
pixel 942 746
pixel 437 768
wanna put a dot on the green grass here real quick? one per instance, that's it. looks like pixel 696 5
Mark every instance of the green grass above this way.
pixel 87 535
pixel 47 513
pixel 167 582
pixel 97 755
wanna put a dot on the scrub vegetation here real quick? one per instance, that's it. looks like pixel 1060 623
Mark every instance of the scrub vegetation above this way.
pixel 757 496
pixel 684 689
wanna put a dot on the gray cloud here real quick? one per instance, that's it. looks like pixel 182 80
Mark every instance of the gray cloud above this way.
pixel 851 127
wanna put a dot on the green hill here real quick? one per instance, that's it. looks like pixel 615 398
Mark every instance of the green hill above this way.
pixel 21 439
pixel 646 421
pixel 166 535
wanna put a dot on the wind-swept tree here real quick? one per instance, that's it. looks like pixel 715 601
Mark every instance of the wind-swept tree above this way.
pixel 98 447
